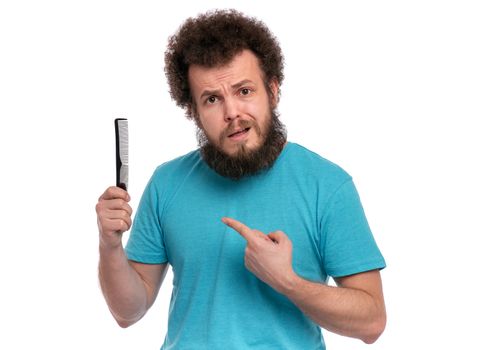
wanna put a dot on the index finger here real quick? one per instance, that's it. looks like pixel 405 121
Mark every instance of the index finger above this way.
pixel 239 227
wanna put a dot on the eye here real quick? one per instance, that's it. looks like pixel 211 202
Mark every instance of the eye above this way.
pixel 245 91
pixel 211 100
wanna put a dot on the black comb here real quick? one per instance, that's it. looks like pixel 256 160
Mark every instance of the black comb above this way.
pixel 122 165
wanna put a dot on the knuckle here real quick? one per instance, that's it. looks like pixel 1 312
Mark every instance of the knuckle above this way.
pixel 255 244
pixel 103 195
pixel 99 207
pixel 112 192
pixel 107 193
pixel 249 252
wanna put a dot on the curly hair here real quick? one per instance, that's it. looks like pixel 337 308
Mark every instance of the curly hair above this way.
pixel 213 39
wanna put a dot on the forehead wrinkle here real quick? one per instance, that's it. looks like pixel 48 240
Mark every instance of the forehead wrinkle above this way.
pixel 216 79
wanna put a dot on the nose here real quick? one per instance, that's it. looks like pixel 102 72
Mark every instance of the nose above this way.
pixel 231 110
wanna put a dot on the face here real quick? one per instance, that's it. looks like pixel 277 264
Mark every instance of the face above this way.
pixel 232 104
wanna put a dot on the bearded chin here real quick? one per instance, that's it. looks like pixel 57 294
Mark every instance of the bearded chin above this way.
pixel 245 161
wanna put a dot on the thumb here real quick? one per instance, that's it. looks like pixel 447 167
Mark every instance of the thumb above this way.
pixel 278 237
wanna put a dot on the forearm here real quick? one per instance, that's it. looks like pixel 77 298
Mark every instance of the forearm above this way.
pixel 355 309
pixel 345 311
pixel 122 287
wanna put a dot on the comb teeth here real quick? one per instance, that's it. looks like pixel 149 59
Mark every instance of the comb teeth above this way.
pixel 122 152
pixel 123 141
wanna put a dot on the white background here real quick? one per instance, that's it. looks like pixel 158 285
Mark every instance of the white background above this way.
pixel 397 93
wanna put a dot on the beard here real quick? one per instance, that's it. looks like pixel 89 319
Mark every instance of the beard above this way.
pixel 245 161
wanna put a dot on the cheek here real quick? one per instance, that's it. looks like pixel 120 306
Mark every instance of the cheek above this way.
pixel 260 112
pixel 211 126
pixel 257 110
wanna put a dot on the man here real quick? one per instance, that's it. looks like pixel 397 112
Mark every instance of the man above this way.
pixel 252 225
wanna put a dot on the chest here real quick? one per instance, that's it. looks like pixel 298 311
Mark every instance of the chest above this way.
pixel 197 241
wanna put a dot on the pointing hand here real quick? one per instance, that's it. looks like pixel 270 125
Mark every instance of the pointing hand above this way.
pixel 269 257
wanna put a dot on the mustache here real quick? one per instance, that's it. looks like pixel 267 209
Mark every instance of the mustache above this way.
pixel 243 124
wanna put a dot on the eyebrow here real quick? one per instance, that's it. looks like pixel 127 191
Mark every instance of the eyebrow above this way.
pixel 206 93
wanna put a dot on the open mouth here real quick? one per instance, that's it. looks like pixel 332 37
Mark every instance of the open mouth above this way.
pixel 239 133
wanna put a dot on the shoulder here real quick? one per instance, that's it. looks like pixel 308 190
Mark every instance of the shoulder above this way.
pixel 311 164
pixel 169 175
pixel 177 167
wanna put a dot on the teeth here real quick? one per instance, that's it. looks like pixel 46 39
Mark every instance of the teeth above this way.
pixel 239 131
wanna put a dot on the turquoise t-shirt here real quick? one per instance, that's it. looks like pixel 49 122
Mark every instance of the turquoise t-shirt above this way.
pixel 216 302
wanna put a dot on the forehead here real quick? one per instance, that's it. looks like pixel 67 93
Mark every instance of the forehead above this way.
pixel 244 65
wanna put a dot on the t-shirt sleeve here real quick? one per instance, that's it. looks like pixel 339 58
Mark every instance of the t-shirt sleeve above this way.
pixel 348 245
pixel 146 241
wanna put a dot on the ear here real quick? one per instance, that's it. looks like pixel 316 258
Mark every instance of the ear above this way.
pixel 274 92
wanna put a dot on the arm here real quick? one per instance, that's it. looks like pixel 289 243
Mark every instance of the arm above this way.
pixel 355 308
pixel 130 288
